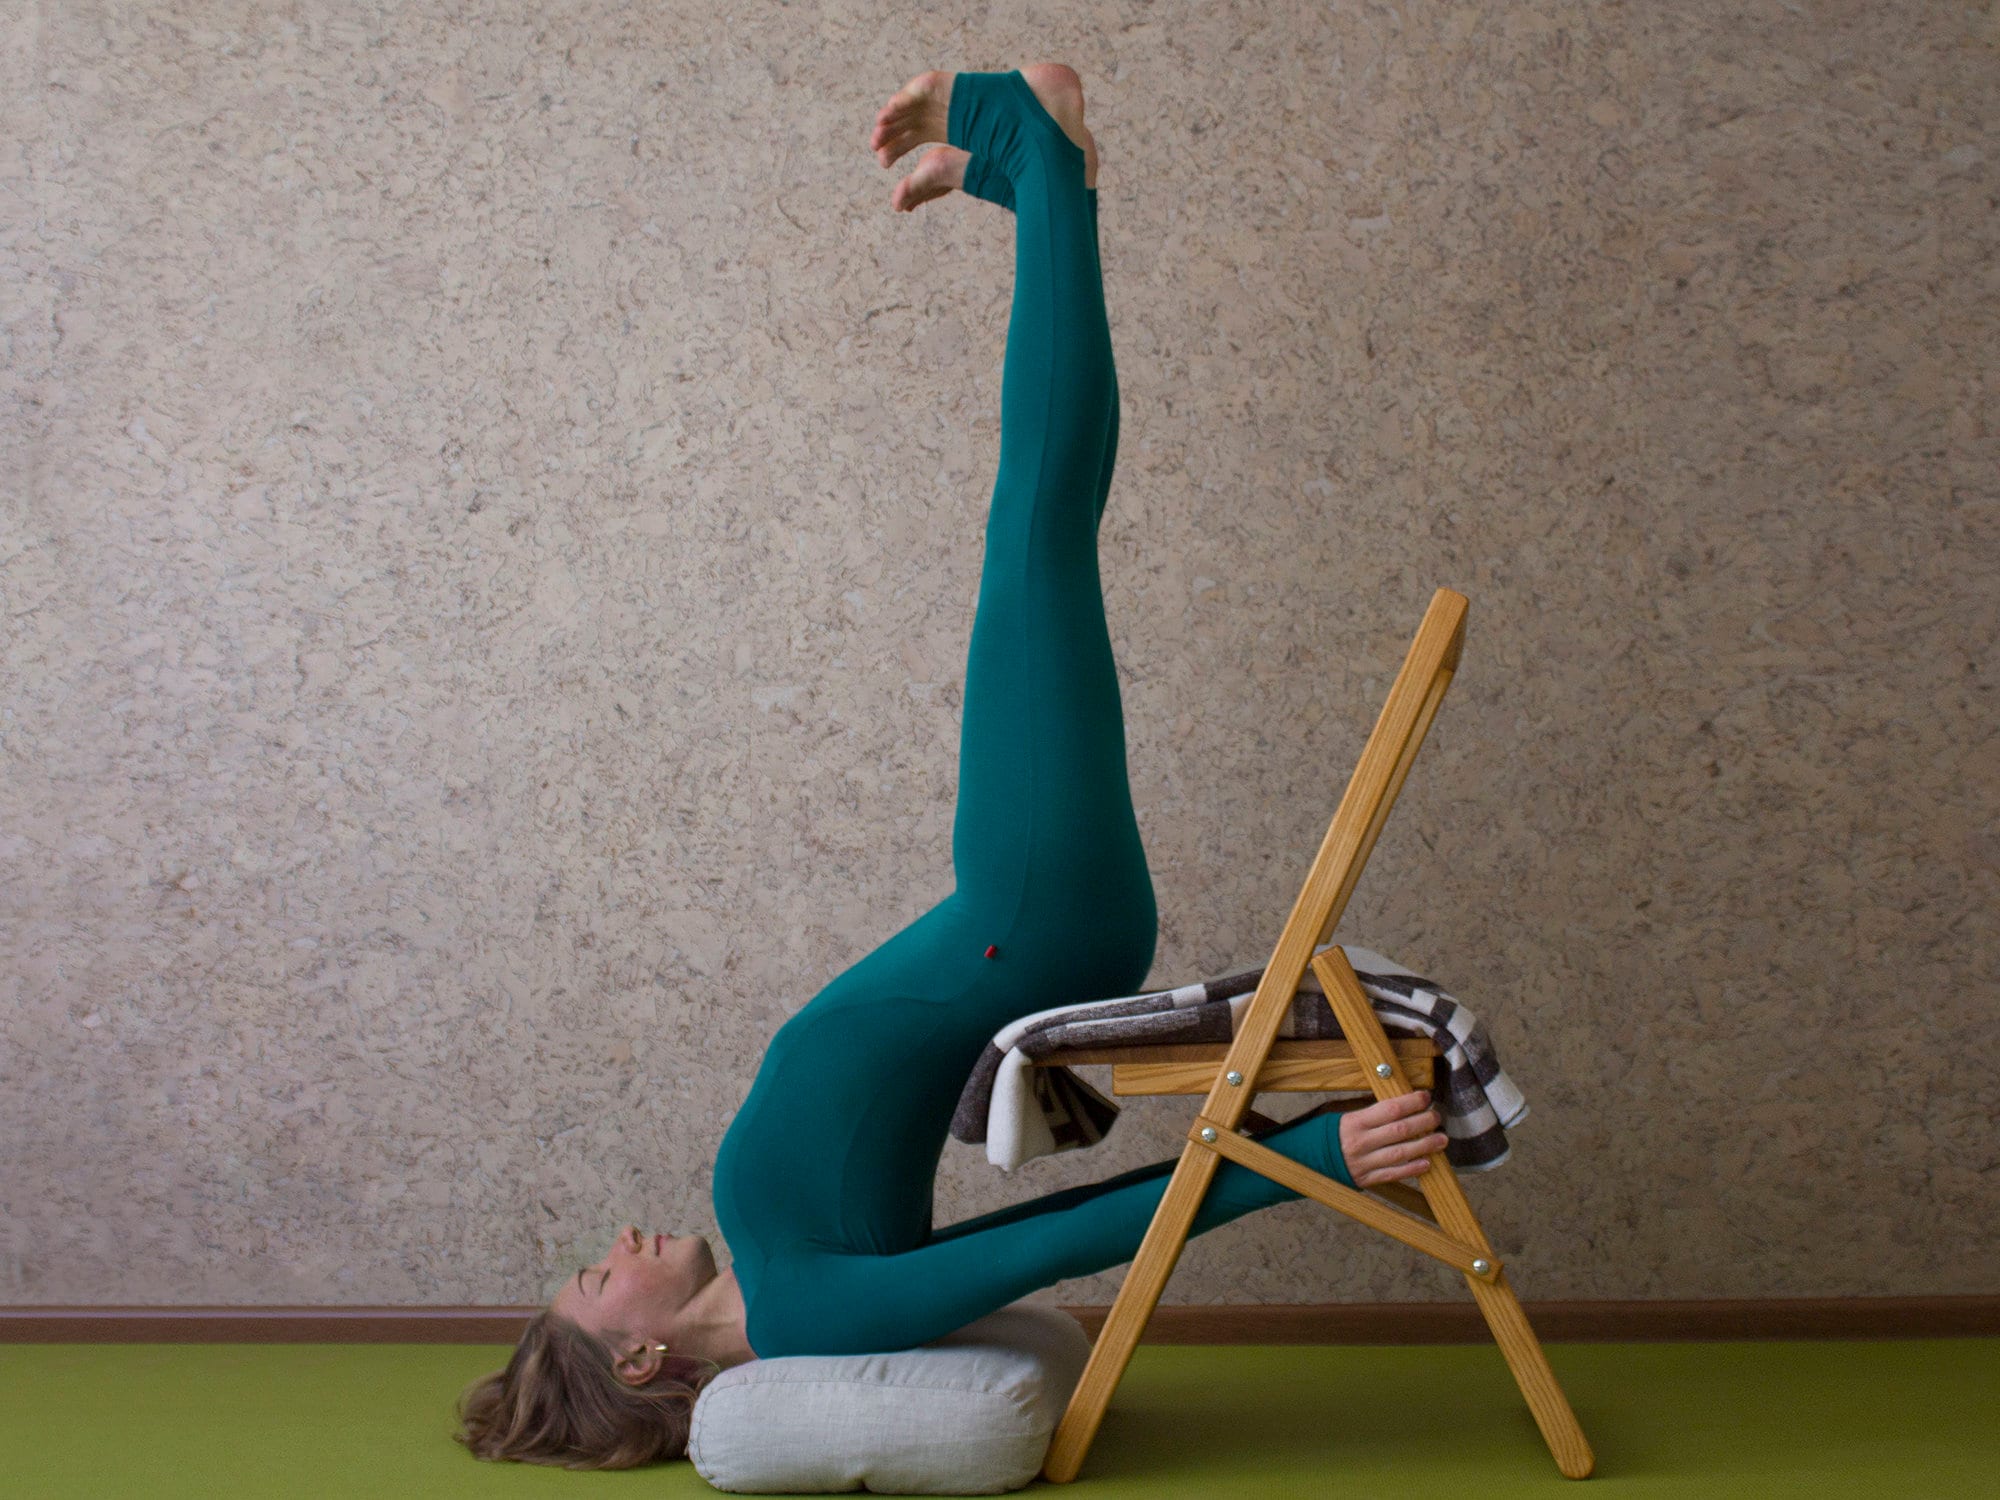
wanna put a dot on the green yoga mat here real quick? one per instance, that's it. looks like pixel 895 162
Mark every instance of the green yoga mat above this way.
pixel 1758 1420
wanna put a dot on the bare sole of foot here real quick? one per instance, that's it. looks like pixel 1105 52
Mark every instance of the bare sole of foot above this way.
pixel 919 111
pixel 938 171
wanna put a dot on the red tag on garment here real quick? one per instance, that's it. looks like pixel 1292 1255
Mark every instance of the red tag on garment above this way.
pixel 992 950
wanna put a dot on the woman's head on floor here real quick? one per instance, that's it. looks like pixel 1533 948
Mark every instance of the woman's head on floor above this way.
pixel 595 1382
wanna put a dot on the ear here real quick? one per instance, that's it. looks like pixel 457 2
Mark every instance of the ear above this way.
pixel 636 1362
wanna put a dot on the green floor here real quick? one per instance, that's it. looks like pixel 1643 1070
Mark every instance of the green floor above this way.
pixel 1880 1419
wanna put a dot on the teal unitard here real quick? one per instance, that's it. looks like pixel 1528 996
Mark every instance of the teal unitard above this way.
pixel 823 1181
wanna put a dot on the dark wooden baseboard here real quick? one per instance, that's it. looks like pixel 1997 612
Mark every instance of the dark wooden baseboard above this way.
pixel 1569 1322
pixel 1281 1323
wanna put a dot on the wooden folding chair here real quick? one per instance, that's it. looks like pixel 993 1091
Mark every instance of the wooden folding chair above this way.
pixel 1433 1215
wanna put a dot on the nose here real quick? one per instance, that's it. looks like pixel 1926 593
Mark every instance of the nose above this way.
pixel 629 1238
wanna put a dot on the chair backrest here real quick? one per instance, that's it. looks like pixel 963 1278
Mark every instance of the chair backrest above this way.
pixel 1378 776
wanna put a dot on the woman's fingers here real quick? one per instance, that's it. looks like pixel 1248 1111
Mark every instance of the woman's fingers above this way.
pixel 1391 1138
pixel 1385 1111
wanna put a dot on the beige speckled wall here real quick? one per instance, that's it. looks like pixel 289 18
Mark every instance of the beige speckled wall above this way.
pixel 492 504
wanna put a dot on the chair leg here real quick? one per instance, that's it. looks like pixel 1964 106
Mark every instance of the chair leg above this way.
pixel 1502 1309
pixel 1453 1214
pixel 1545 1398
pixel 1159 1253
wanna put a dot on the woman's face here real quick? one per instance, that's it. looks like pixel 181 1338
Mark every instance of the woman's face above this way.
pixel 640 1285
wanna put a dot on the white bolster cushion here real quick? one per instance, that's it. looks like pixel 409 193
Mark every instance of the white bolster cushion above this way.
pixel 968 1414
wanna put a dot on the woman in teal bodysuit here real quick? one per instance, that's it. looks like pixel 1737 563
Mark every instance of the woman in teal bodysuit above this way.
pixel 823 1183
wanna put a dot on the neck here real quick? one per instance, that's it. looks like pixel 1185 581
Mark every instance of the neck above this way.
pixel 712 1323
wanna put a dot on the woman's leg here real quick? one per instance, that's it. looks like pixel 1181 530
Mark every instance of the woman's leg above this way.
pixel 1045 845
pixel 838 1142
pixel 825 1301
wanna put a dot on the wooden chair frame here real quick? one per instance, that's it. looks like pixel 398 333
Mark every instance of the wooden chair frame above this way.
pixel 1431 1213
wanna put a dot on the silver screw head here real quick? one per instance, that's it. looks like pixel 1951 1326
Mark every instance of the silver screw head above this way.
pixel 1208 1132
pixel 1383 1070
pixel 1481 1267
pixel 1235 1078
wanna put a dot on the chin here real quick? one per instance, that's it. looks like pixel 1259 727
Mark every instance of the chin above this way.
pixel 696 1248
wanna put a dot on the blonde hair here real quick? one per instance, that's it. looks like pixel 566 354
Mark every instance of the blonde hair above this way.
pixel 559 1401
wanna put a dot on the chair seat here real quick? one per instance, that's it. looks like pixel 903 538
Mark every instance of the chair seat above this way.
pixel 1310 1066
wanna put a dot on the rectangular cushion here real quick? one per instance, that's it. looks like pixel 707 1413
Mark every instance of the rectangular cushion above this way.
pixel 968 1414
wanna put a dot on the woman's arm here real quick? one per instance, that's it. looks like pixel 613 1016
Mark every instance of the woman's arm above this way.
pixel 812 1300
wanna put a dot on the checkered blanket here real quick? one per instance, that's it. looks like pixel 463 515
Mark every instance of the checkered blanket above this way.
pixel 1021 1111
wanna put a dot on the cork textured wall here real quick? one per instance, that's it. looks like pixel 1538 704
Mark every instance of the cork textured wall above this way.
pixel 493 505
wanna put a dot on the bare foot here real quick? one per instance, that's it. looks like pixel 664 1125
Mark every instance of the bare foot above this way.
pixel 940 170
pixel 919 111
pixel 916 112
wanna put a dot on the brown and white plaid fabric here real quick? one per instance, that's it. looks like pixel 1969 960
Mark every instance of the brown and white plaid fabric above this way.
pixel 1021 1111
